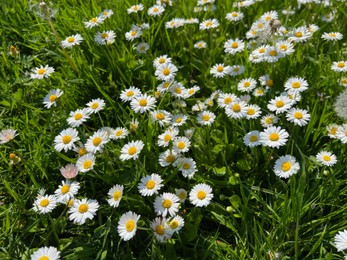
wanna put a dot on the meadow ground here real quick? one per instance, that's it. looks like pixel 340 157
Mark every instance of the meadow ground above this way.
pixel 173 129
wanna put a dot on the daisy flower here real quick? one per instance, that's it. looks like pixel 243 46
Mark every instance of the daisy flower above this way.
pixel 236 109
pixel 224 99
pixel 165 138
pixel 339 66
pixel 66 191
pixel 259 92
pixel 115 195
pixel 156 10
pixel 135 8
pixel 142 103
pixel 286 47
pixel 175 224
pixel 80 149
pixel 268 16
pixel 340 240
pixel 333 36
pixel 71 41
pixel 247 85
pixel 45 203
pixel 95 105
pixel 298 116
pixel 200 45
pixel 7 135
pixel 163 59
pixel 286 166
pixel 280 104
pixel 206 117
pixel 127 225
pixel 252 139
pixel 161 116
pixel 69 171
pixel 182 194
pixel 119 133
pixel 129 93
pixel 234 16
pixel 191 91
pixel 160 229
pixel 300 34
pixel 326 158
pixel 253 111
pixel 107 13
pixel 167 158
pixel 95 143
pixel 78 117
pixel 181 144
pixel 341 133
pixel 201 195
pixel 187 166
pixel 208 24
pixel 166 72
pixel 105 37
pixel 150 184
pixel 134 124
pixel 131 150
pixel 273 54
pixel 14 159
pixel 266 81
pixel 273 137
pixel 343 81
pixel 178 90
pixel 220 70
pixel 332 130
pixel 41 72
pixel 268 120
pixel 166 204
pixel 66 139
pixel 85 163
pixel 82 210
pixel 51 98
pixel 142 47
pixel 179 119
pixel 234 46
pixel 95 21
pixel 43 253
pixel 296 84
pixel 133 34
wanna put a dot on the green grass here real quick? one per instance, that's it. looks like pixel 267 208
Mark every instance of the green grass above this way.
pixel 253 215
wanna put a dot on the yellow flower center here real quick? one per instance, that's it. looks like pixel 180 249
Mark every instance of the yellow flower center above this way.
pixel 12 156
pixel 116 195
pixel 65 189
pixel 82 151
pixel 166 71
pixel 170 158
pixel 167 138
pixel 236 69
pixel 283 47
pixel 162 60
pixel 262 50
pixel 236 108
pixel 178 120
pixel 326 158
pixel 250 111
pixel 234 45
pixel 333 131
pixel 286 166
pixel 206 117
pixel 160 116
pixel 220 68
pixel 132 150
pixel 150 184
pixel 182 195
pixel 279 103
pixel 135 8
pixel 97 140
pixel 70 39
pixel 268 18
pixel 119 132
pixel 191 91
pixel 133 33
pixel 160 230
pixel 130 225
pixel 130 93
pixel 268 120
pixel 208 24
pixel 201 195
pixel 155 9
pixel 340 64
pixel 234 14
pixel 181 145
pixel 186 166
pixel 105 13
pixel 83 208
pixel 167 203
pixel 67 139
pixel 95 105
pixel 44 203
pixel 298 115
pixel 93 20
pixel 104 35
pixel 41 71
pixel 344 81
pixel 78 116
pixel 273 53
pixel 87 164
pixel 246 84
pixel 253 138
pixel 52 98
pixel 166 84
pixel 178 90
pixel 143 102
pixel 173 224
pixel 44 258
pixel 228 100
pixel 274 137
pixel 298 34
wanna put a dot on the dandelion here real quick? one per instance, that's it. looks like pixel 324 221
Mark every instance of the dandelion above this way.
pixel 142 47
pixel 286 166
pixel 41 72
pixel 340 240
pixel 209 24
pixel 51 98
pixel 298 116
pixel 46 253
pixel 78 117
pixel 166 204
pixel 206 117
pixel 72 40
pixel 201 195
pixel 82 210
pixel 273 137
pixel 66 191
pixel 105 37
pixel 129 93
pixel 85 163
pixel 181 144
pixel 135 8
pixel 95 105
pixel 161 229
pixel 156 10
pixel 326 158
pixel 66 139
pixel 219 70
pixel 44 203
pixel 166 72
pixel 115 195
pixel 96 142
pixel 150 184
pixel 340 105
pixel 7 135
pixel 69 171
pixel 142 103
pixel 95 21
pixel 127 225
pixel 200 45
pixel 131 150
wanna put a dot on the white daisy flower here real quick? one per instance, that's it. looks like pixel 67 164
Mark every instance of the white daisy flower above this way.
pixel 129 93
pixel 127 225
pixel 200 45
pixel 300 34
pixel 268 120
pixel 234 46
pixel 163 117
pixel 85 163
pixel 166 72
pixel 150 184
pixel 165 138
pixel 119 133
pixel 135 8
pixel 95 105
pixel 142 103
pixel 131 150
pixel 286 166
pixel 332 36
pixel 224 99
pixel 273 54
pixel 133 34
pixel 96 142
pixel 220 70
pixel 166 204
pixel 45 203
pixel 326 158
pixel 339 66
pixel 175 224
pixel 95 21
pixel 280 104
pixel 46 253
pixel 234 16
pixel 161 229
pixel 115 195
pixel 274 137
pixel 51 98
pixel 66 139
pixel 206 117
pixel 201 195
pixel 167 158
pixel 252 139
pixel 341 133
pixel 105 37
pixel 66 191
pixel 41 72
pixel 286 47
pixel 72 40
pixel 247 85
pixel 208 24
pixel 82 210
pixel 142 47
pixel 191 91
pixel 107 13
pixel 253 111
pixel 298 116
pixel 296 84
pixel 156 10
pixel 163 59
pixel 340 240
pixel 181 144
pixel 332 130
pixel 7 135
pixel 237 109
pixel 78 117
pixel 187 166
